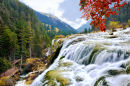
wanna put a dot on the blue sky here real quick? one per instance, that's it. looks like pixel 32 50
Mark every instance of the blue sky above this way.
pixel 66 10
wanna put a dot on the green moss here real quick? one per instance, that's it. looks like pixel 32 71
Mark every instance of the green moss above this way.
pixel 98 48
pixel 62 57
pixel 55 55
pixel 78 79
pixel 128 69
pixel 54 76
pixel 116 72
pixel 102 79
pixel 127 63
pixel 65 64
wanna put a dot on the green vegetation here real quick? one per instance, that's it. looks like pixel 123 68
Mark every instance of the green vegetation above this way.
pixel 4 65
pixel 56 76
pixel 113 25
pixel 128 69
pixel 51 23
pixel 116 72
pixel 129 22
pixel 62 57
pixel 122 16
pixel 21 33
pixel 102 81
pixel 55 55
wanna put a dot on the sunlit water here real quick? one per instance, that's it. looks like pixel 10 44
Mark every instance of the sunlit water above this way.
pixel 93 56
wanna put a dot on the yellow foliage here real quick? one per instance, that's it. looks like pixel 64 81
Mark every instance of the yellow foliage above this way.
pixel 56 74
pixel 59 36
pixel 3 81
pixel 127 26
pixel 114 25
pixel 129 22
pixel 31 60
pixel 57 30
pixel 67 36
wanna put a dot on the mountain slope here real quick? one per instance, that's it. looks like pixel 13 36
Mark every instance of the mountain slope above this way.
pixel 21 32
pixel 86 25
pixel 54 21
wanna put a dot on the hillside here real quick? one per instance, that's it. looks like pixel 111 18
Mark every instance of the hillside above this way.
pixel 122 16
pixel 49 19
pixel 21 33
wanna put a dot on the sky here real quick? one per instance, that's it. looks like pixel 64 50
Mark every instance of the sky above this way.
pixel 66 10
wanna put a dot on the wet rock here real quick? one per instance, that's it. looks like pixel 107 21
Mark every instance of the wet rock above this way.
pixel 111 33
pixel 111 36
pixel 62 57
pixel 128 62
pixel 116 72
pixel 101 81
pixel 55 54
pixel 55 76
pixel 78 79
pixel 28 68
pixel 65 64
pixel 128 69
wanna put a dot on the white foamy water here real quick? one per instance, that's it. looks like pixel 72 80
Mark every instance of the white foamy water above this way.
pixel 94 56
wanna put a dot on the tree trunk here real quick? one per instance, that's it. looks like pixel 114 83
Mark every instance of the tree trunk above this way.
pixel 21 61
pixel 14 59
pixel 21 55
pixel 113 30
pixel 30 51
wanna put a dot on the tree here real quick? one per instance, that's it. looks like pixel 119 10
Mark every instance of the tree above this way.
pixel 4 65
pixel 113 25
pixel 97 10
pixel 30 34
pixel 85 31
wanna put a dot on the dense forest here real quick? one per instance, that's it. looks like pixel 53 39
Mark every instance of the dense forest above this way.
pixel 22 35
pixel 122 16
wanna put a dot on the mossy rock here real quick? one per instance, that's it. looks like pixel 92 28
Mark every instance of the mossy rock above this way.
pixel 64 64
pixel 98 48
pixel 54 76
pixel 111 33
pixel 111 36
pixel 101 81
pixel 116 72
pixel 62 57
pixel 56 53
pixel 78 79
pixel 128 62
pixel 128 69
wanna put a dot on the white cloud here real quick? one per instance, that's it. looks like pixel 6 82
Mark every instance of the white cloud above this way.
pixel 53 7
pixel 75 24
pixel 47 6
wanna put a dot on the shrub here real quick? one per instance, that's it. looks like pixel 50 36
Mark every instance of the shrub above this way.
pixel 4 65
pixel 114 25
pixel 129 22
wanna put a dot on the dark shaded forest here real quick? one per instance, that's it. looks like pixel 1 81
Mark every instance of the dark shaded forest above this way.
pixel 22 35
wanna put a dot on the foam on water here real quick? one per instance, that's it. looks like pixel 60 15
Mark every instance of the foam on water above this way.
pixel 93 56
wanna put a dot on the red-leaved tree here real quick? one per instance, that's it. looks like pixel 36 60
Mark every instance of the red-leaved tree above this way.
pixel 97 10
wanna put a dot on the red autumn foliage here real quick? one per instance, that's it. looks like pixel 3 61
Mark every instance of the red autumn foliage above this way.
pixel 97 10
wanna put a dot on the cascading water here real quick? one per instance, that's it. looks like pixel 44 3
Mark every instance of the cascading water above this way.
pixel 97 59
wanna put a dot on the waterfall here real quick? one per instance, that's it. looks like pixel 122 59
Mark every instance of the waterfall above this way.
pixel 96 59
